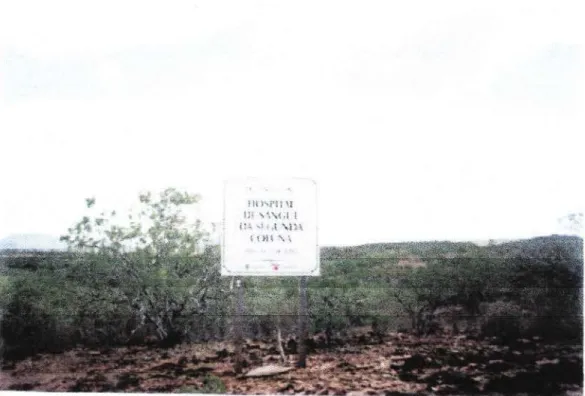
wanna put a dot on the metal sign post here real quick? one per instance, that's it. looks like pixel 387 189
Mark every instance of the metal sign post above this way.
pixel 303 323
pixel 238 327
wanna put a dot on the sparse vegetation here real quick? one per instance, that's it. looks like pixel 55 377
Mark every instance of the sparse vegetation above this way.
pixel 151 279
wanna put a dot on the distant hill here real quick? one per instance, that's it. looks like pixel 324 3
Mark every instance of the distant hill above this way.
pixel 31 242
pixel 537 247
pixel 421 249
pixel 540 246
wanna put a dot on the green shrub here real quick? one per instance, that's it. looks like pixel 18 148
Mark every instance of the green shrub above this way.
pixel 212 384
pixel 503 319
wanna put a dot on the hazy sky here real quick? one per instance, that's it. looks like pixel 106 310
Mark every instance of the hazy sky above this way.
pixel 418 119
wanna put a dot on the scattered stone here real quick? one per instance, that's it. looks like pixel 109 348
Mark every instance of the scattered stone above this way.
pixel 288 386
pixel 546 361
pixel 266 371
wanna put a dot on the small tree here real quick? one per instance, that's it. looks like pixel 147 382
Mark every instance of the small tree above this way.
pixel 154 262
pixel 412 292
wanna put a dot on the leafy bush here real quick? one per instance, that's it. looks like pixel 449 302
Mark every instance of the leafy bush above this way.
pixel 212 384
pixel 503 319
pixel 38 315
pixel 150 262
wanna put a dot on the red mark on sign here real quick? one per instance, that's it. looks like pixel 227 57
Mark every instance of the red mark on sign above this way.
pixel 275 267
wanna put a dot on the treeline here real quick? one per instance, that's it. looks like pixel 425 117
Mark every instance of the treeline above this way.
pixel 151 280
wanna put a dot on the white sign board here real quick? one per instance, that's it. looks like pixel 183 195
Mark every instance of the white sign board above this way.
pixel 270 228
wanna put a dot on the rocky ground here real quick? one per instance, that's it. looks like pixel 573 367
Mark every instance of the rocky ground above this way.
pixel 398 364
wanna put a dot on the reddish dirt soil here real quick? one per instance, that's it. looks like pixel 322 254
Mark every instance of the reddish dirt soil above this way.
pixel 400 364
